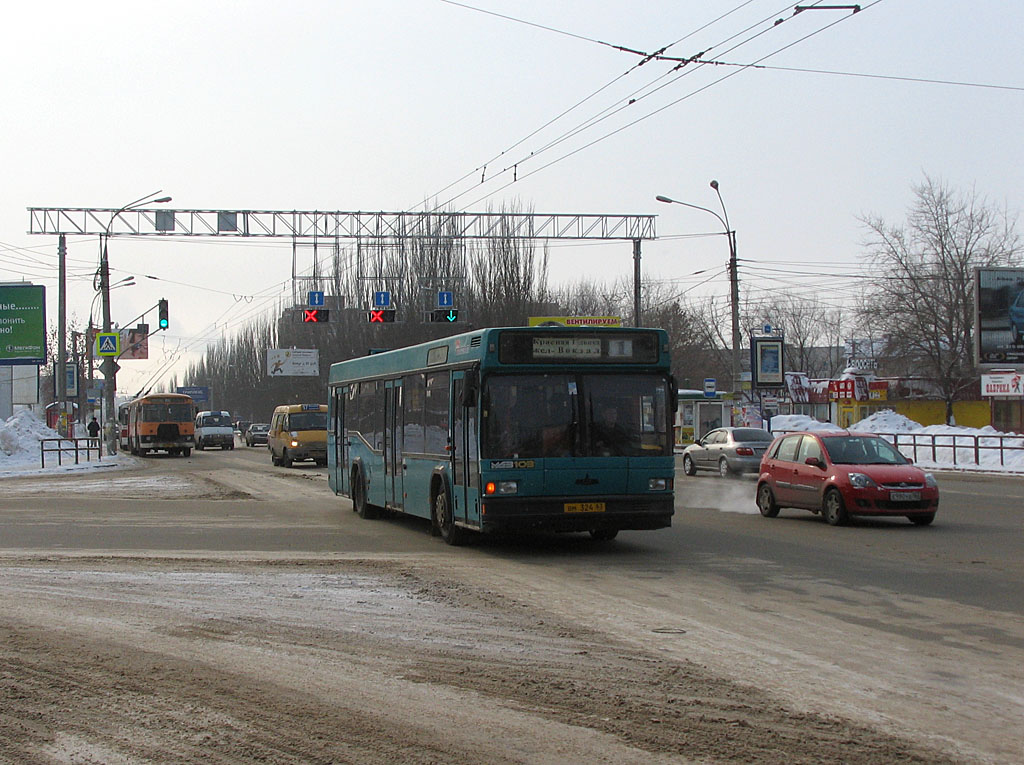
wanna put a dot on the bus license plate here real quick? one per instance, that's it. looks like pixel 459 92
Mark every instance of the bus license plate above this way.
pixel 905 496
pixel 584 507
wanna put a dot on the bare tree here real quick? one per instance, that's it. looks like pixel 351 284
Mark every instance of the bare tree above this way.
pixel 920 295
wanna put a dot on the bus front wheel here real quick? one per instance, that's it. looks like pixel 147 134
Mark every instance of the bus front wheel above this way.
pixel 444 519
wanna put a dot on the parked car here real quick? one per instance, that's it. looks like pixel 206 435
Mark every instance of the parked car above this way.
pixel 256 433
pixel 728 450
pixel 841 474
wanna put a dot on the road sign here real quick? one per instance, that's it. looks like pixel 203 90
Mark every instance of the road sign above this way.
pixel 316 298
pixel 382 299
pixel 445 299
pixel 199 393
pixel 108 344
pixel 710 387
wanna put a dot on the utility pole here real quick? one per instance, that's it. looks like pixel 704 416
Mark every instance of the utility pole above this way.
pixel 60 376
pixel 734 284
pixel 109 384
pixel 636 284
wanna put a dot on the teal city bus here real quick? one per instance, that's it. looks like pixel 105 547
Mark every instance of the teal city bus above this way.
pixel 509 429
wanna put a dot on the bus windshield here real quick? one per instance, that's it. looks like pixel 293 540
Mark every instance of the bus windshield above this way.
pixel 159 412
pixel 575 415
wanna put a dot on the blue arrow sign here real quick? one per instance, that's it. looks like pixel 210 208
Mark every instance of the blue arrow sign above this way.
pixel 445 299
pixel 316 298
pixel 382 299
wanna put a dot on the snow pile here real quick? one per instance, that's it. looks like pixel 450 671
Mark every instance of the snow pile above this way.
pixel 20 436
pixel 19 450
pixel 790 422
pixel 929 446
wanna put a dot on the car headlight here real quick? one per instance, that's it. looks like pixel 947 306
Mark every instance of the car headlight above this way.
pixel 659 484
pixel 861 481
pixel 930 482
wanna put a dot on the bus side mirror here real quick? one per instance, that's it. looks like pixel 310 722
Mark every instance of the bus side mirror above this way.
pixel 470 387
pixel 673 394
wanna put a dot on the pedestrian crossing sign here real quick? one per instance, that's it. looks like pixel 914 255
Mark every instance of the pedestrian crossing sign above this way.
pixel 108 344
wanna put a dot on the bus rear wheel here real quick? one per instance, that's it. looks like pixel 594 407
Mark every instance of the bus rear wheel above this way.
pixel 360 503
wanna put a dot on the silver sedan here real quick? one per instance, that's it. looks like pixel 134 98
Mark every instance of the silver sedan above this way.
pixel 730 451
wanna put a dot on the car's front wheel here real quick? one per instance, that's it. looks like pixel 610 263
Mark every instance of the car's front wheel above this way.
pixel 688 467
pixel 833 508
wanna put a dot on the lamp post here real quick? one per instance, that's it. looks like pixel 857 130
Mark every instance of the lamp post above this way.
pixel 733 276
pixel 109 375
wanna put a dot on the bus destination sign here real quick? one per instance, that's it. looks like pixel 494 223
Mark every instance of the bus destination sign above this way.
pixel 566 348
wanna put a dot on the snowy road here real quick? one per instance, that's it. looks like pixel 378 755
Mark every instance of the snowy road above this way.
pixel 218 608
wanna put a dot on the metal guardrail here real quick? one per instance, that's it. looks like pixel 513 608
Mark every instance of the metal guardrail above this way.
pixel 957 449
pixel 61 447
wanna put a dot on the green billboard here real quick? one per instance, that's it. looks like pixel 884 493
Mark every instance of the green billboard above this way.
pixel 22 324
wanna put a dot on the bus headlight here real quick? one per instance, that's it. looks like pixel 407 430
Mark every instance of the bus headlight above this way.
pixel 501 487
pixel 294 443
pixel 659 484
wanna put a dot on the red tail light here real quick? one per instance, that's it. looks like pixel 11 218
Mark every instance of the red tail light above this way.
pixel 744 451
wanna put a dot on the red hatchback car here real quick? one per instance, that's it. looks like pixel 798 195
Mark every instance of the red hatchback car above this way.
pixel 840 474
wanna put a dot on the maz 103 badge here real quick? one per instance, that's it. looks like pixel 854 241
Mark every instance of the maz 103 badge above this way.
pixel 510 464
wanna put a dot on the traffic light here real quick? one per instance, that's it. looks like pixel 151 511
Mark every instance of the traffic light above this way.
pixel 163 314
pixel 315 315
pixel 380 315
pixel 448 315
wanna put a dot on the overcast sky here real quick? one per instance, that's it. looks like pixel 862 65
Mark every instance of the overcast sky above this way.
pixel 383 104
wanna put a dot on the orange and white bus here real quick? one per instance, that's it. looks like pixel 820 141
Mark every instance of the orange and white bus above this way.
pixel 161 422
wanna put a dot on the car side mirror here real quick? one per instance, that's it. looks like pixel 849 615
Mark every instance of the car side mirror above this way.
pixel 815 462
pixel 909 460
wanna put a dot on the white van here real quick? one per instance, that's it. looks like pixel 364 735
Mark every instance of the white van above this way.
pixel 214 429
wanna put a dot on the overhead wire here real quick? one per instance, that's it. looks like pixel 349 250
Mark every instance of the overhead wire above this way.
pixel 482 168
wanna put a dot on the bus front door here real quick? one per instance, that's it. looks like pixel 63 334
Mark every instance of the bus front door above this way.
pixel 393 444
pixel 464 461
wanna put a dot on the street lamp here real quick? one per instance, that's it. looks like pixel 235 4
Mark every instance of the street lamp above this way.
pixel 733 276
pixel 109 375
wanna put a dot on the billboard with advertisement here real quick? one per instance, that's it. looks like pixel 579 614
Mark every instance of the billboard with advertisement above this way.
pixel 1003 385
pixel 293 362
pixel 22 324
pixel 574 321
pixel 766 362
pixel 135 343
pixel 999 317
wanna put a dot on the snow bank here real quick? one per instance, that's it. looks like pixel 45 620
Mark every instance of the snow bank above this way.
pixel 938 446
pixel 20 436
pixel 19 449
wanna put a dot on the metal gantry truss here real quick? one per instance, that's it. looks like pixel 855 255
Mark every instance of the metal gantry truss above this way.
pixel 309 224
pixel 372 228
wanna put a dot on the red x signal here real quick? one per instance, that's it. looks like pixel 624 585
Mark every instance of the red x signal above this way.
pixel 314 315
pixel 380 316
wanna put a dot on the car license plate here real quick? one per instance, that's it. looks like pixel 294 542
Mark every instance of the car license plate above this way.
pixel 905 496
pixel 584 507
